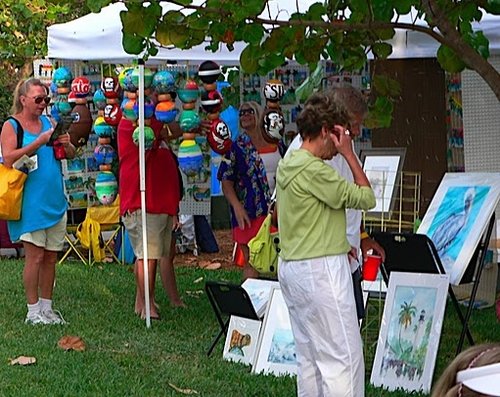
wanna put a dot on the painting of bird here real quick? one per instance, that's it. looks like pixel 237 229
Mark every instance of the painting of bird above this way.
pixel 453 224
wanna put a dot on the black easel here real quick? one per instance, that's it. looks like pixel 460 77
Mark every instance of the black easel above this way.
pixel 416 253
pixel 476 266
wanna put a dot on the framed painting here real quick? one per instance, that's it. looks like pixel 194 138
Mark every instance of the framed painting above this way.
pixel 458 216
pixel 242 339
pixel 411 328
pixel 276 352
pixel 258 289
pixel 383 168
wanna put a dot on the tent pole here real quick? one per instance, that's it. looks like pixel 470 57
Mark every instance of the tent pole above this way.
pixel 142 186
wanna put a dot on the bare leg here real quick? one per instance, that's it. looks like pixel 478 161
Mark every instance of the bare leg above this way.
pixel 47 274
pixel 167 274
pixel 248 271
pixel 139 277
pixel 34 257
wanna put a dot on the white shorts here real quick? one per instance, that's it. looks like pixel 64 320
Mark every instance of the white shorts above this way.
pixel 52 238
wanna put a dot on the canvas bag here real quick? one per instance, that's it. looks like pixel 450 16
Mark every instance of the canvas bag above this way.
pixel 264 249
pixel 12 185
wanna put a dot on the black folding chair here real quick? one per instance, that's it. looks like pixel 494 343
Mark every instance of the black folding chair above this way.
pixel 228 299
pixel 415 253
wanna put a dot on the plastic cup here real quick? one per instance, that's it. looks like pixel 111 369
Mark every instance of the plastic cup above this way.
pixel 238 257
pixel 371 266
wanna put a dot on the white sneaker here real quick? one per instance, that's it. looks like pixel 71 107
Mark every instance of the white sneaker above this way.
pixel 36 318
pixel 53 317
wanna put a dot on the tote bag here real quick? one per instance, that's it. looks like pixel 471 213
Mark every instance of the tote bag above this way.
pixel 11 193
pixel 11 186
pixel 264 249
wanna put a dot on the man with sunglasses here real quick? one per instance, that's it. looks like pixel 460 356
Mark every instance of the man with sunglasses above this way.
pixel 42 226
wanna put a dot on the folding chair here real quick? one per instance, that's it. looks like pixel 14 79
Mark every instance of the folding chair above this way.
pixel 228 299
pixel 108 218
pixel 416 253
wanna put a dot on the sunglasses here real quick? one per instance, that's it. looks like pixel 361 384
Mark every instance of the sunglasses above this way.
pixel 246 111
pixel 39 99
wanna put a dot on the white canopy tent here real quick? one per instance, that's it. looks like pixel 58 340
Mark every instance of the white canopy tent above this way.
pixel 98 37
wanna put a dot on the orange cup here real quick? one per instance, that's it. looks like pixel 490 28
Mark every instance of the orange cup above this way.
pixel 371 265
pixel 238 257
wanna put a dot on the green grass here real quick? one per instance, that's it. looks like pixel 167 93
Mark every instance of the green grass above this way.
pixel 124 358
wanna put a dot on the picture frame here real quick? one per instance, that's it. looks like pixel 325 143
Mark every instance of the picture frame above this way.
pixel 276 352
pixel 242 340
pixel 458 216
pixel 411 328
pixel 259 290
pixel 383 167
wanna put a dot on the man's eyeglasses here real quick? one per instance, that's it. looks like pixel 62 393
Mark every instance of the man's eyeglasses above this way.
pixel 39 99
pixel 246 111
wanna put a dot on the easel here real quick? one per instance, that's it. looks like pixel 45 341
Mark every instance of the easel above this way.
pixel 408 252
pixel 480 256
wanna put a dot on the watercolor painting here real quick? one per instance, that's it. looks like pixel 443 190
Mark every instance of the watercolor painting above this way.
pixel 383 167
pixel 241 341
pixel 410 332
pixel 276 352
pixel 458 216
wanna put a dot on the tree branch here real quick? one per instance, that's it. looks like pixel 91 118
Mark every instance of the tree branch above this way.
pixel 468 54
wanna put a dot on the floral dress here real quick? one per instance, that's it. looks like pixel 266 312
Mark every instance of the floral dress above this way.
pixel 244 167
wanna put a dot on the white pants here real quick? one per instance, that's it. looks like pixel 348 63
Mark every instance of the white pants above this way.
pixel 320 300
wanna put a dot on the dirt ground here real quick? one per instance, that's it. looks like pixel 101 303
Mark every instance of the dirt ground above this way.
pixel 223 257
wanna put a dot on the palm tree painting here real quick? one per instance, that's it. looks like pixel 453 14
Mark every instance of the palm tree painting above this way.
pixel 454 220
pixel 407 339
pixel 410 331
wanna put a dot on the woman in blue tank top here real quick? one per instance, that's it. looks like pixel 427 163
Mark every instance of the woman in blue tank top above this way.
pixel 42 226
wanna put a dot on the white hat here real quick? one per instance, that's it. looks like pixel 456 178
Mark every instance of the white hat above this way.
pixel 484 380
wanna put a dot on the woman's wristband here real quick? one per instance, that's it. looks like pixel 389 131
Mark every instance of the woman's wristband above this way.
pixel 364 235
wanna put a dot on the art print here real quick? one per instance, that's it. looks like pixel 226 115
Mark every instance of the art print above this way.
pixel 276 353
pixel 242 339
pixel 383 167
pixel 458 216
pixel 411 329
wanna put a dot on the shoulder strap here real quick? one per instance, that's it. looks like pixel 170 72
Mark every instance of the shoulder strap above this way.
pixel 20 131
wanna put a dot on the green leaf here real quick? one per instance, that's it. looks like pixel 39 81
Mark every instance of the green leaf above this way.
pixel 449 60
pixel 382 50
pixel 271 61
pixel 403 7
pixel 380 113
pixel 384 34
pixel 249 59
pixel 492 6
pixel 252 33
pixel 382 11
pixel 316 11
pixel 386 86
pixel 96 5
pixel 470 12
pixel 152 51
pixel 479 42
pixel 167 35
pixel 132 44
pixel 132 21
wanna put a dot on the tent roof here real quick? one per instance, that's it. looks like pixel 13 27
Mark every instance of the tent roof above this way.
pixel 98 36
